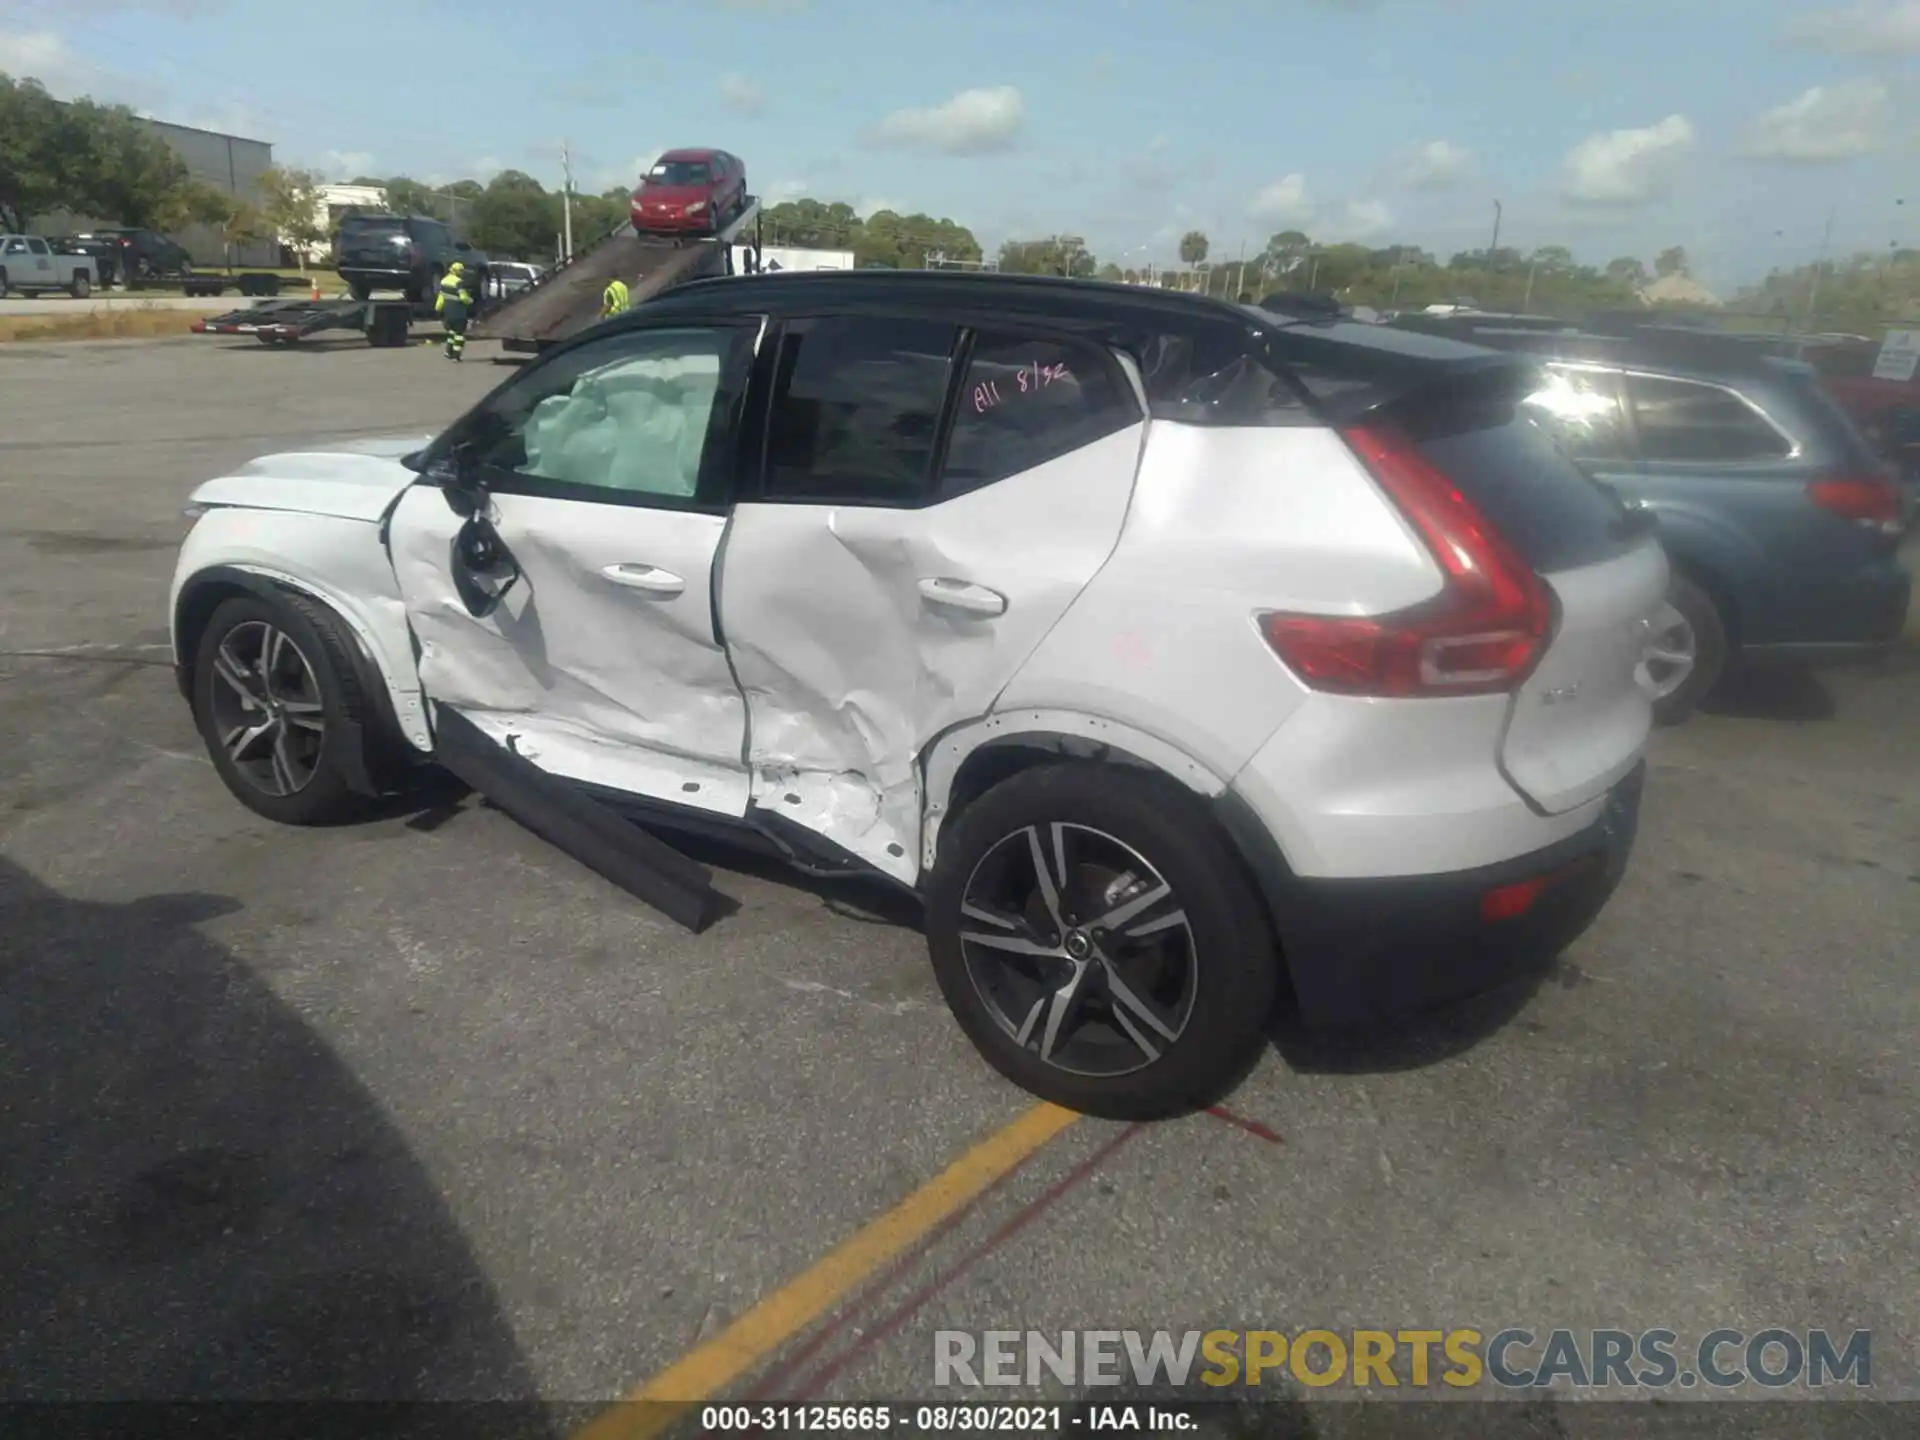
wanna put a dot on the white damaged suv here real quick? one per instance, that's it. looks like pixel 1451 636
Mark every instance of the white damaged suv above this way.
pixel 1186 659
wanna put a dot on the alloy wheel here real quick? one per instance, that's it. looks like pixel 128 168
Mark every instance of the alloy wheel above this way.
pixel 266 708
pixel 1670 653
pixel 1079 948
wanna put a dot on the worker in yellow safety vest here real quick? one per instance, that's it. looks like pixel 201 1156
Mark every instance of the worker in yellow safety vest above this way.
pixel 616 298
pixel 453 304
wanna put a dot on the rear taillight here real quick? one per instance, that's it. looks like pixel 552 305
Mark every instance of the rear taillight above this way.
pixel 1868 500
pixel 1482 635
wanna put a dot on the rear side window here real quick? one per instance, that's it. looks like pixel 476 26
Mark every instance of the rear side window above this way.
pixel 1515 472
pixel 1583 411
pixel 1685 420
pixel 1025 401
pixel 856 410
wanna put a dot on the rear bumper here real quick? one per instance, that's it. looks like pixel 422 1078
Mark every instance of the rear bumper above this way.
pixel 1367 952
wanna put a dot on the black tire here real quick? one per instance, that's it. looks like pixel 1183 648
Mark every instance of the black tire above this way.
pixel 1234 983
pixel 3 284
pixel 359 289
pixel 1711 651
pixel 81 287
pixel 326 797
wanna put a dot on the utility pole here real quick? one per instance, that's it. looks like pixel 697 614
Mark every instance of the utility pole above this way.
pixel 566 204
pixel 1813 285
pixel 1494 244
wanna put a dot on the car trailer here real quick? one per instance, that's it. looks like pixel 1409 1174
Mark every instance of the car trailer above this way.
pixel 286 322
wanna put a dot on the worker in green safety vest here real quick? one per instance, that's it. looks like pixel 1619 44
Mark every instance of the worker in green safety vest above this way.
pixel 453 304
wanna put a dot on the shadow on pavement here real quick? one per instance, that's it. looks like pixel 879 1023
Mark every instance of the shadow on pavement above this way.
pixel 1783 694
pixel 198 1200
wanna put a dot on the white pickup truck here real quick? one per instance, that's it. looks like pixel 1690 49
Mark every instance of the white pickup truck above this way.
pixel 28 264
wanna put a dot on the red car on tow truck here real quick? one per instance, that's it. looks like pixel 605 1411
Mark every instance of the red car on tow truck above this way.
pixel 690 192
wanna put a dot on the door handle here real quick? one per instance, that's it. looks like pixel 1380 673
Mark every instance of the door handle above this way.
pixel 649 578
pixel 961 595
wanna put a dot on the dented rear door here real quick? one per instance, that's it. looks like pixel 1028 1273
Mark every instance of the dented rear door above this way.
pixel 608 471
pixel 930 501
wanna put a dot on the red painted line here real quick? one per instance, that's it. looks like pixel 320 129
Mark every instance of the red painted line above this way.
pixel 1017 1222
pixel 1252 1127
pixel 875 1287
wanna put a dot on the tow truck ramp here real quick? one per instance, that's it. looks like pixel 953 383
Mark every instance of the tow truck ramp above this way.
pixel 567 299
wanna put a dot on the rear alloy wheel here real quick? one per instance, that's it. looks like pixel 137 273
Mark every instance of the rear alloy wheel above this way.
pixel 273 694
pixel 1097 941
pixel 81 287
pixel 1685 653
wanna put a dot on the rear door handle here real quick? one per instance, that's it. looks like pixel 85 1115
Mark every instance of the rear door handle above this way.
pixel 650 578
pixel 961 595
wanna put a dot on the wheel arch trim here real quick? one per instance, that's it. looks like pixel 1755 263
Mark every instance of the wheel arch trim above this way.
pixel 1063 732
pixel 398 708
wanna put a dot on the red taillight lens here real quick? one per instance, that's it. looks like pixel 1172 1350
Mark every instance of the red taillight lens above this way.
pixel 1482 635
pixel 1866 499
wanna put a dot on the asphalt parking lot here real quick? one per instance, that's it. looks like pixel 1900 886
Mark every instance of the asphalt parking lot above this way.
pixel 421 1107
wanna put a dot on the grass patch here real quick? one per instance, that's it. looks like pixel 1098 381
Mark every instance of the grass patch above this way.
pixel 114 324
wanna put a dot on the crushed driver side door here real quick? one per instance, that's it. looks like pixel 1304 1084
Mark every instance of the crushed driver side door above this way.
pixel 557 559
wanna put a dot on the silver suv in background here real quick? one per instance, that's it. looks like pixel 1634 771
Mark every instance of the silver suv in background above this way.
pixel 1782 524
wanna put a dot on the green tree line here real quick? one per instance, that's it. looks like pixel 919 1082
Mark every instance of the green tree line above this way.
pixel 95 160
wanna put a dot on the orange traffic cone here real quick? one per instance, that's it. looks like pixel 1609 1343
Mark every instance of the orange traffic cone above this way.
pixel 316 287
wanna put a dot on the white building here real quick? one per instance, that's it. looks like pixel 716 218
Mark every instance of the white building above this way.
pixel 333 202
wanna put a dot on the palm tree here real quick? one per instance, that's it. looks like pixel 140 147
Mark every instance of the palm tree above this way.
pixel 1193 248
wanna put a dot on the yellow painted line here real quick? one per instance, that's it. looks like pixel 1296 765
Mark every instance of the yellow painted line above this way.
pixel 707 1369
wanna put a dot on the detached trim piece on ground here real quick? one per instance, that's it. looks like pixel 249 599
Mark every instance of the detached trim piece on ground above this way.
pixel 598 838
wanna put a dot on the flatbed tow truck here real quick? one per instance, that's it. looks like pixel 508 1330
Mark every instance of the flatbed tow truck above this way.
pixel 385 323
pixel 566 300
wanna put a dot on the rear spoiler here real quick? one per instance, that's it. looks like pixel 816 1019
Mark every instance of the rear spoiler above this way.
pixel 1347 377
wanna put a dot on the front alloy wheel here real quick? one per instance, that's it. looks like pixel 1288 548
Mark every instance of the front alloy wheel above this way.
pixel 1079 949
pixel 279 706
pixel 267 709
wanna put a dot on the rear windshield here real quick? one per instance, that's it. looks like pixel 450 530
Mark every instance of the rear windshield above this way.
pixel 1514 471
pixel 373 225
pixel 680 172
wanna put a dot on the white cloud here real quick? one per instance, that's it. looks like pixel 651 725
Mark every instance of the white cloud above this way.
pixel 866 209
pixel 1825 123
pixel 786 190
pixel 42 55
pixel 741 94
pixel 1362 220
pixel 1434 165
pixel 1627 167
pixel 974 122
pixel 1876 27
pixel 1284 202
pixel 345 164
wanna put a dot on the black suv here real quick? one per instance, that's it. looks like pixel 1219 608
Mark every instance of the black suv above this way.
pixel 408 253
pixel 1779 521
pixel 130 256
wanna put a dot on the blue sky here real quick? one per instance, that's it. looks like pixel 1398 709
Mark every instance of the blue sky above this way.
pixel 1733 127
